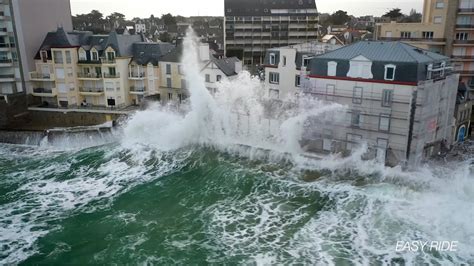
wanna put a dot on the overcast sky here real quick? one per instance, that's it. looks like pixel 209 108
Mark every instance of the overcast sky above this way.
pixel 144 8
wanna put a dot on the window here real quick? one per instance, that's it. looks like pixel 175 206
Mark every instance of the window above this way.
pixel 70 73
pixel 168 82
pixel 330 91
pixel 390 72
pixel 95 56
pixel 44 56
pixel 438 20
pixel 387 98
pixel 274 78
pixel 405 35
pixel 306 61
pixel 384 122
pixel 98 71
pixel 274 94
pixel 82 55
pixel 356 118
pixel 427 34
pixel 439 4
pixel 112 71
pixel 170 96
pixel 168 69
pixel 297 80
pixel 218 78
pixel 68 57
pixel 208 78
pixel 284 60
pixel 111 56
pixel 388 34
pixel 332 68
pixel 272 59
pixel 357 95
pixel 58 57
pixel 462 36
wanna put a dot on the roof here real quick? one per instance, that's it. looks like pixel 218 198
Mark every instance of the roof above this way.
pixel 263 7
pixel 174 55
pixel 61 39
pixel 384 51
pixel 226 65
pixel 144 53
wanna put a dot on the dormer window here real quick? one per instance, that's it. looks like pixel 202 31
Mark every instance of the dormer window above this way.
pixel 306 61
pixel 390 72
pixel 272 59
pixel 94 56
pixel 44 56
pixel 332 68
pixel 110 56
pixel 82 55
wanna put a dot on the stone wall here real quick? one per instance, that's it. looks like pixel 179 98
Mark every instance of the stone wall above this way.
pixel 13 109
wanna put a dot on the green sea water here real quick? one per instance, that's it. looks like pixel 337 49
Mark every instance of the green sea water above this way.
pixel 196 205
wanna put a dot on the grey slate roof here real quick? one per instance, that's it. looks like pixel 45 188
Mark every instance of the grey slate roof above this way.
pixel 61 39
pixel 174 55
pixel 384 51
pixel 144 53
pixel 226 65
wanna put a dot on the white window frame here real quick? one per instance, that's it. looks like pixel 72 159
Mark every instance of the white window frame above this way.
pixel 332 68
pixel 394 67
pixel 274 78
pixel 272 59
pixel 385 127
pixel 437 19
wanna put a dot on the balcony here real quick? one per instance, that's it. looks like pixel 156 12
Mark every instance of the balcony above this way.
pixel 88 62
pixel 7 78
pixel 91 91
pixel 137 90
pixel 35 76
pixel 6 46
pixel 3 15
pixel 465 26
pixel 425 40
pixel 6 62
pixel 45 92
pixel 465 11
pixel 111 76
pixel 89 76
pixel 107 61
pixel 3 31
pixel 463 42
pixel 136 75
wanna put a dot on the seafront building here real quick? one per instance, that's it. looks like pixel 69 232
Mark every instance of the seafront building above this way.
pixel 400 99
pixel 23 25
pixel 287 68
pixel 82 70
pixel 253 26
pixel 447 28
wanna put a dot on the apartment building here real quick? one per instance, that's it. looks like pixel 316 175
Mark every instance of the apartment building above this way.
pixel 23 24
pixel 253 26
pixel 400 101
pixel 174 86
pixel 287 68
pixel 447 27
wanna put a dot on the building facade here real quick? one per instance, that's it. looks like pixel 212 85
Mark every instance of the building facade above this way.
pixel 400 101
pixel 287 68
pixel 253 26
pixel 78 69
pixel 447 27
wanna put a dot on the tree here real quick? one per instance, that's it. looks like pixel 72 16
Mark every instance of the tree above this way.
pixel 168 19
pixel 165 37
pixel 115 19
pixel 340 17
pixel 394 14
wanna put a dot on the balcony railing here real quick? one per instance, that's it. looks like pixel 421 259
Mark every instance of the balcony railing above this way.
pixel 466 10
pixel 85 61
pixel 105 60
pixel 43 90
pixel 91 90
pixel 6 61
pixel 464 41
pixel 137 89
pixel 111 76
pixel 412 39
pixel 137 75
pixel 41 76
pixel 7 76
pixel 464 26
pixel 89 75
pixel 6 45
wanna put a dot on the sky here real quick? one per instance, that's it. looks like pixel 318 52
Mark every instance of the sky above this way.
pixel 144 8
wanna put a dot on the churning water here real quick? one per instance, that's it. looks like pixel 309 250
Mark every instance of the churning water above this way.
pixel 217 183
